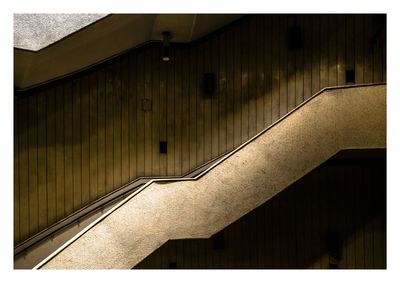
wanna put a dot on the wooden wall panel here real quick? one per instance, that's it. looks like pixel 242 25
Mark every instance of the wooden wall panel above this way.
pixel 84 136
pixel 93 140
pixel 343 196
pixel 16 202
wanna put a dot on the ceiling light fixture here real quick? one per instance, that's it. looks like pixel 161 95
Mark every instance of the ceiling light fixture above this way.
pixel 166 45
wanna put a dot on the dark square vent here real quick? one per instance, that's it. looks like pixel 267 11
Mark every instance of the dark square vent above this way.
pixel 350 77
pixel 295 37
pixel 163 147
pixel 209 83
pixel 172 265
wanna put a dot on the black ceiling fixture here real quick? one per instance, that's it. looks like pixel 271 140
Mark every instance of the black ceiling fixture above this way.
pixel 166 46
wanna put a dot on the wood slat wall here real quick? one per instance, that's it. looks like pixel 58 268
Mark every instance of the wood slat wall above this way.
pixel 84 136
pixel 289 231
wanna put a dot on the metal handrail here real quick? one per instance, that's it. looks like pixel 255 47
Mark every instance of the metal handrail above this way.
pixel 220 160
pixel 99 204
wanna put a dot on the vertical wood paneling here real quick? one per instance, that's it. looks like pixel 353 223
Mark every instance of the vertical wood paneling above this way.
pixel 132 117
pixel 369 228
pixel 230 119
pixel 215 125
pixel 315 230
pixel 170 116
pixel 16 203
pixel 341 49
pixel 293 256
pixel 341 211
pixel 291 67
pixel 93 136
pixel 193 107
pixel 109 132
pixel 156 111
pixel 350 62
pixel 315 51
pixel 117 97
pixel 359 215
pixel 378 52
pixel 222 114
pixel 68 149
pixel 185 112
pixel 269 72
pixel 93 150
pixel 148 95
pixel 299 64
pixel 275 106
pixel 140 130
pixel 199 105
pixel 59 146
pixel 324 51
pixel 51 158
pixel 244 48
pixel 275 228
pixel 207 100
pixel 237 84
pixel 332 60
pixel 260 74
pixel 368 50
pixel 101 133
pixel 283 66
pixel 85 140
pixel 23 167
pixel 252 77
pixel 359 44
pixel 77 156
pixel 178 114
pixel 42 161
pixel 307 57
pixel 32 165
pixel 350 201
pixel 163 114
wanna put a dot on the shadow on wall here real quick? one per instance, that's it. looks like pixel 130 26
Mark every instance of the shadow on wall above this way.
pixel 332 218
pixel 259 70
pixel 82 137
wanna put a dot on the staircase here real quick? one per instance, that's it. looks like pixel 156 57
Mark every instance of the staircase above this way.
pixel 352 117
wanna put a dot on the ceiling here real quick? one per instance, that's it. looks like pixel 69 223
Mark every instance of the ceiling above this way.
pixel 66 44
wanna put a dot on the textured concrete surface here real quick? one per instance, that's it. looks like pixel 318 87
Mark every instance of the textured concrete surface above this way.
pixel 335 120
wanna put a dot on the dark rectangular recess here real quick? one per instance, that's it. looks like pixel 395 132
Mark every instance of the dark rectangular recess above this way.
pixel 209 83
pixel 350 76
pixel 219 240
pixel 172 265
pixel 333 266
pixel 163 147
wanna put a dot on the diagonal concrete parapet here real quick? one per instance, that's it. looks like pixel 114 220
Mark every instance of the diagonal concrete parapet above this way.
pixel 332 120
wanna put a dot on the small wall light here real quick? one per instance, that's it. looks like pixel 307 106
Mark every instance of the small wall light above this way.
pixel 166 45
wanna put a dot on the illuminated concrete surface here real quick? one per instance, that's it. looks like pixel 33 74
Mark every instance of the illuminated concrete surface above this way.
pixel 36 31
pixel 335 120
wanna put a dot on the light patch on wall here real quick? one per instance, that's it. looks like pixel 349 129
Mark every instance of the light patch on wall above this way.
pixel 36 31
